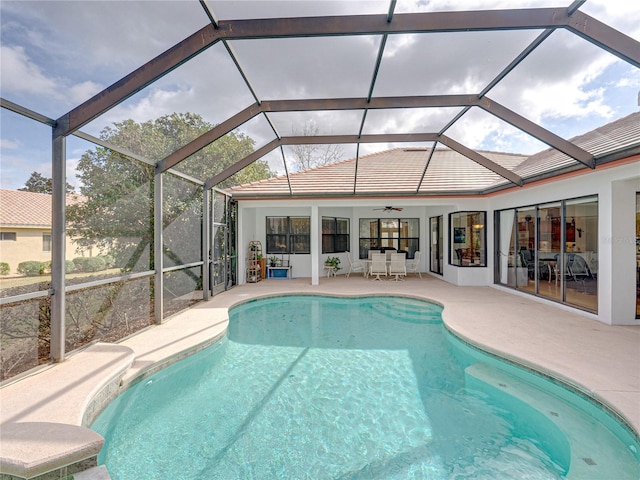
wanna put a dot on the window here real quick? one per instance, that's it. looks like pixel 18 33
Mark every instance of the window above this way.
pixel 468 239
pixel 288 235
pixel 436 244
pixel 46 242
pixel 402 234
pixel 8 236
pixel 335 235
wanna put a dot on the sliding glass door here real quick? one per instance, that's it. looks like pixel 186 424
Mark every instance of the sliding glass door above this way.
pixel 551 250
pixel 581 257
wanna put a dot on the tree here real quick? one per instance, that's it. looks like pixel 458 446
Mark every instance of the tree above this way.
pixel 39 184
pixel 116 216
pixel 310 156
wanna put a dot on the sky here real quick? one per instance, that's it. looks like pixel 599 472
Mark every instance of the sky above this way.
pixel 57 54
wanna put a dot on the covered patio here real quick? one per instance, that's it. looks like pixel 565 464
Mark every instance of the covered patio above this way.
pixel 457 134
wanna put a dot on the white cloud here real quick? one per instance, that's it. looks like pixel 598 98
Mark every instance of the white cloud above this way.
pixel 20 74
pixel 8 144
pixel 631 81
pixel 82 91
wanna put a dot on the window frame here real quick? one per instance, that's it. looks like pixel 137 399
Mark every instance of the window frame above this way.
pixel 466 232
pixel 13 237
pixel 334 237
pixel 288 237
pixel 397 239
pixel 46 242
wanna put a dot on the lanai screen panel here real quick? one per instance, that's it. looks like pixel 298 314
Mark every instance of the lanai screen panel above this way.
pixel 570 86
pixel 409 120
pixel 450 171
pixel 26 147
pixel 290 68
pixel 336 177
pixel 205 91
pixel 226 150
pixel 480 130
pixel 318 122
pixel 112 211
pixel 446 63
pixel 61 53
pixel 397 171
pixel 462 5
pixel 230 10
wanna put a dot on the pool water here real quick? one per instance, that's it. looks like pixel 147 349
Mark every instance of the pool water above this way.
pixel 308 387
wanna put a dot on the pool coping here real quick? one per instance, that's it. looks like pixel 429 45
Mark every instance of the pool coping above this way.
pixel 79 400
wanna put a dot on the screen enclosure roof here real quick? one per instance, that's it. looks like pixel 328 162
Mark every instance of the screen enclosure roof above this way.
pixel 479 98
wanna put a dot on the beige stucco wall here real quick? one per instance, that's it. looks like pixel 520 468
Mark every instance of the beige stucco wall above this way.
pixel 28 246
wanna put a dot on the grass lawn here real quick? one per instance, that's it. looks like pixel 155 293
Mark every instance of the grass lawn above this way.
pixel 10 282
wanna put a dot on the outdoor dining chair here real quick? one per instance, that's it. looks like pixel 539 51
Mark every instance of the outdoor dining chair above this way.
pixel 414 267
pixel 355 266
pixel 397 265
pixel 378 265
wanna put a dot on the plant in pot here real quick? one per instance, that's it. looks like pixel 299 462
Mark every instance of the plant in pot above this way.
pixel 333 262
pixel 263 265
pixel 273 261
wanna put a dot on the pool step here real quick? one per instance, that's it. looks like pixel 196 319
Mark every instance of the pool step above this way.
pixel 567 435
pixel 408 312
pixel 96 473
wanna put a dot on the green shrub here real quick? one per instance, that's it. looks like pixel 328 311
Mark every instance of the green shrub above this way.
pixel 4 268
pixel 31 268
pixel 69 266
pixel 95 264
pixel 81 263
pixel 109 261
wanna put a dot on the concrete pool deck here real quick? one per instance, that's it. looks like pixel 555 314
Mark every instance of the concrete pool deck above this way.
pixel 596 358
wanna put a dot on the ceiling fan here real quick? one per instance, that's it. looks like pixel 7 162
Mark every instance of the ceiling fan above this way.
pixel 389 209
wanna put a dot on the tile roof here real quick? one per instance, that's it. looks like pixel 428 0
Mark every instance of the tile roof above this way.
pixel 612 137
pixel 399 171
pixel 27 209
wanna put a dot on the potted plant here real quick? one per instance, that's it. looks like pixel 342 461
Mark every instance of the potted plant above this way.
pixel 273 261
pixel 333 262
pixel 263 265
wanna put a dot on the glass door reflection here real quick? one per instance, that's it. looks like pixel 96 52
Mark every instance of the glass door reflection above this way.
pixel 550 262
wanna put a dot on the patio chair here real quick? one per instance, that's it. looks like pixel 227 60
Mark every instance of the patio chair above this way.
pixel 378 265
pixel 355 266
pixel 414 267
pixel 397 266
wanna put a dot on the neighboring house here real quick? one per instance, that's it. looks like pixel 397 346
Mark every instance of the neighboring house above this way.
pixel 25 227
pixel 566 236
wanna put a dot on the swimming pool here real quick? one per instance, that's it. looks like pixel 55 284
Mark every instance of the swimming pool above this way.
pixel 355 388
